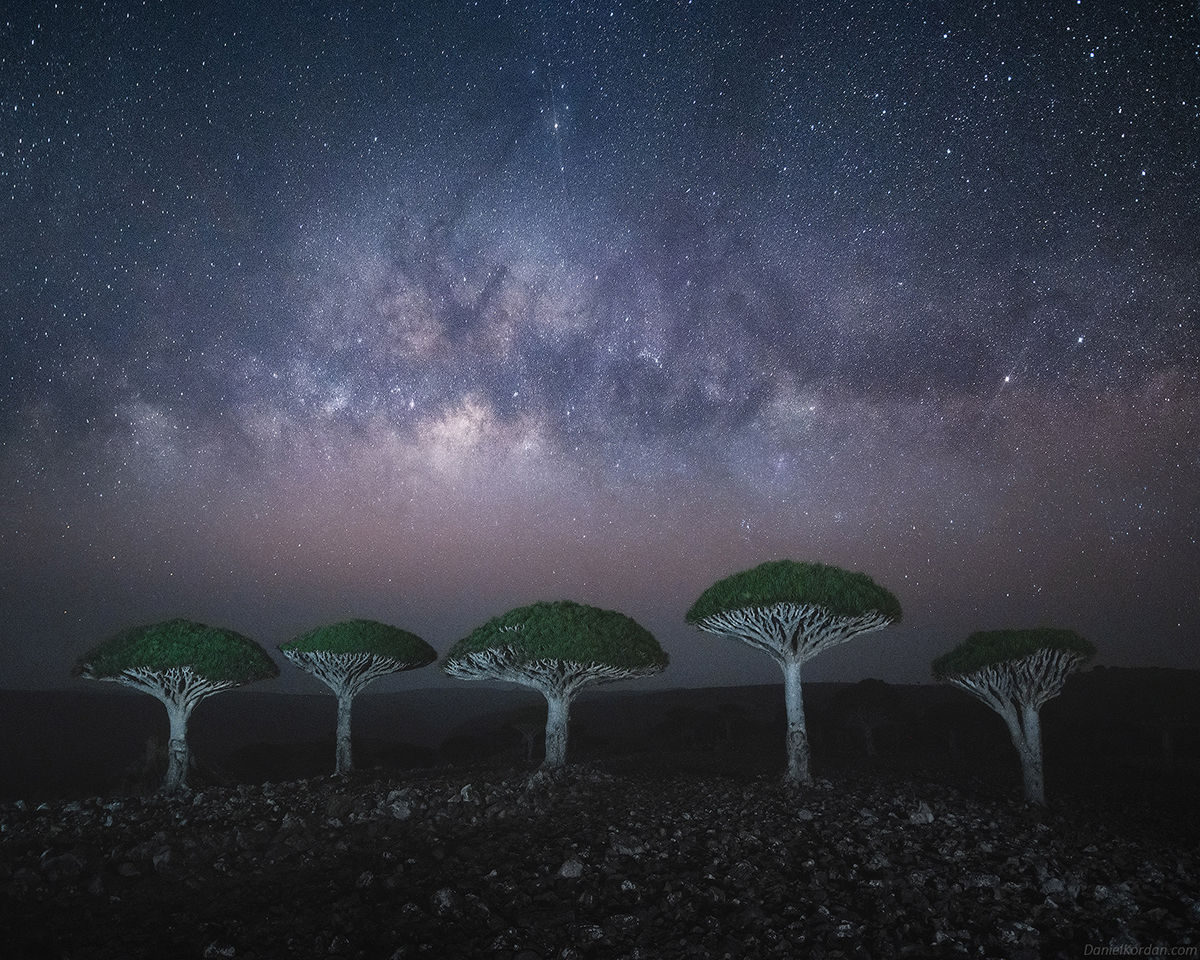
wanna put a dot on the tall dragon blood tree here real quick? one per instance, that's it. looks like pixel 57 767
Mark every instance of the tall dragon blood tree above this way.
pixel 180 662
pixel 1015 672
pixel 349 655
pixel 792 611
pixel 557 648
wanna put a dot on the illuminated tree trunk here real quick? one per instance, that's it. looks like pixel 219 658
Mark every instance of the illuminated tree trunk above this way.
pixel 557 725
pixel 529 733
pixel 1028 741
pixel 345 759
pixel 1166 742
pixel 868 732
pixel 1025 729
pixel 798 753
pixel 177 745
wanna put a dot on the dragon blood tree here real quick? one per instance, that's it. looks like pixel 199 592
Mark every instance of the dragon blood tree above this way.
pixel 792 611
pixel 347 656
pixel 867 706
pixel 557 648
pixel 180 662
pixel 1014 672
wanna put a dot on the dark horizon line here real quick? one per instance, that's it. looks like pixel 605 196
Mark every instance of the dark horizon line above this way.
pixel 112 688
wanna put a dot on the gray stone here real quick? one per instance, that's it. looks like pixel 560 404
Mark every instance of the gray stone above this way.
pixel 64 868
pixel 922 814
pixel 571 869
pixel 447 903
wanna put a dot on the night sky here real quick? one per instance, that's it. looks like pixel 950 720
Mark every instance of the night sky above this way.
pixel 311 311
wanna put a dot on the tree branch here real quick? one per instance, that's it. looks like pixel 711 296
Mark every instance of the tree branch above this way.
pixel 180 686
pixel 551 677
pixel 1025 682
pixel 347 672
pixel 790 631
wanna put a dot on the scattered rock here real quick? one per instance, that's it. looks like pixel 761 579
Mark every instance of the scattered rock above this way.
pixel 665 866
pixel 448 903
pixel 922 814
pixel 400 810
pixel 571 869
pixel 624 846
pixel 64 868
pixel 469 794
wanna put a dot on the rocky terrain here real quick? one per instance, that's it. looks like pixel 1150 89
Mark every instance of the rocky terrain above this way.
pixel 645 860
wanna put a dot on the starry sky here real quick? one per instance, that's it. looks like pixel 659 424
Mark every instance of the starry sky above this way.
pixel 422 311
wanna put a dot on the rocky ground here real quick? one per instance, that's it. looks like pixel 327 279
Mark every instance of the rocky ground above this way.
pixel 607 861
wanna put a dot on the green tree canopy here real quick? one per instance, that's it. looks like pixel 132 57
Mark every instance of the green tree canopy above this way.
pixel 213 653
pixel 563 630
pixel 988 648
pixel 365 636
pixel 842 592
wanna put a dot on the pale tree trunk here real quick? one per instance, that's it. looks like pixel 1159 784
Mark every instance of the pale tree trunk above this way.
pixel 868 733
pixel 345 759
pixel 797 736
pixel 529 741
pixel 1031 758
pixel 1166 742
pixel 177 746
pixel 559 705
pixel 1026 732
pixel 867 728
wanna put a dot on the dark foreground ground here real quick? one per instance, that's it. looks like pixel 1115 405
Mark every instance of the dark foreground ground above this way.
pixel 656 856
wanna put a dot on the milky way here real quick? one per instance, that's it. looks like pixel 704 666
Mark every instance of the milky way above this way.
pixel 423 313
